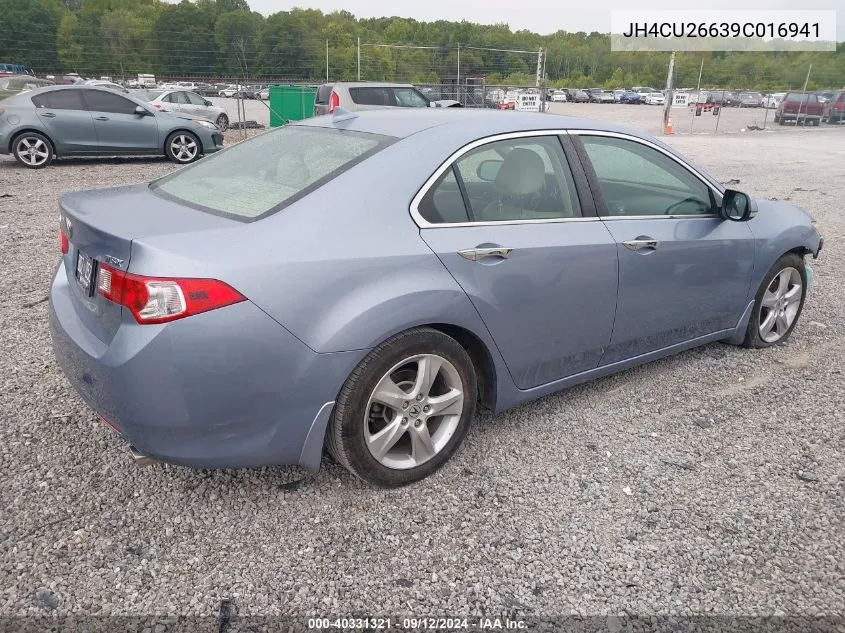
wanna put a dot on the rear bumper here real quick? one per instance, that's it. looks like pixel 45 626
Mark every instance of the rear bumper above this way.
pixel 228 388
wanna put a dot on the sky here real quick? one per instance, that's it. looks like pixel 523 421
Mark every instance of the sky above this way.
pixel 540 16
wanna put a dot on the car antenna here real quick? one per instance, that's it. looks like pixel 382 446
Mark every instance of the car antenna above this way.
pixel 342 114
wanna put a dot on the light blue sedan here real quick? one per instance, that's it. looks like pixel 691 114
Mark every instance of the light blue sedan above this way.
pixel 92 120
pixel 364 281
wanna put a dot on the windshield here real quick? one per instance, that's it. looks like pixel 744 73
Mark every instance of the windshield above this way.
pixel 255 178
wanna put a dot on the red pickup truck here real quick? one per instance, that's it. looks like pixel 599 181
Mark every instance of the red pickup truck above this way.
pixel 834 109
pixel 800 107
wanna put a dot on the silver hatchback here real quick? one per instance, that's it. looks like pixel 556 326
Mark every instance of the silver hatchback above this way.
pixel 192 104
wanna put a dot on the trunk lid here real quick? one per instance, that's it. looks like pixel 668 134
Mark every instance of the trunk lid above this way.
pixel 100 226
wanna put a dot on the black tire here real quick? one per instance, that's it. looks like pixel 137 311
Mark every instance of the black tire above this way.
pixel 28 149
pixel 180 158
pixel 346 432
pixel 752 335
pixel 222 122
pixel 816 122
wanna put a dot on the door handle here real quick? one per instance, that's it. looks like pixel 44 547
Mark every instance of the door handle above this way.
pixel 474 254
pixel 101 118
pixel 642 244
pixel 49 115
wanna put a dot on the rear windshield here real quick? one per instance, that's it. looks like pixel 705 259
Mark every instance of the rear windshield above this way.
pixel 795 97
pixel 256 178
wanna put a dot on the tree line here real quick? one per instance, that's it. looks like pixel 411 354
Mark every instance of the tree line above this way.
pixel 225 39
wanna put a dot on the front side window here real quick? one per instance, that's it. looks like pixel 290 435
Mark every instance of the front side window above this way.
pixel 103 101
pixel 638 180
pixel 194 98
pixel 258 177
pixel 509 180
pixel 409 98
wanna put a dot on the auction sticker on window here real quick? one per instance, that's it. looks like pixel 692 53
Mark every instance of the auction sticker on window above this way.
pixel 723 30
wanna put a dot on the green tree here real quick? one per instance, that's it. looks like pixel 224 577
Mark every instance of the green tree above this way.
pixel 237 35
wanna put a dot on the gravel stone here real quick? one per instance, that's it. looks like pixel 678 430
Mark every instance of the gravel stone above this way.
pixel 530 517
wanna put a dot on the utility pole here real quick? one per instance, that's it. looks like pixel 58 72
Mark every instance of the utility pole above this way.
pixel 359 59
pixel 804 96
pixel 327 60
pixel 458 77
pixel 669 91
pixel 539 66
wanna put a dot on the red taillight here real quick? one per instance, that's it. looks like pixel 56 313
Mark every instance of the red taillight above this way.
pixel 159 300
pixel 335 101
pixel 157 106
pixel 65 244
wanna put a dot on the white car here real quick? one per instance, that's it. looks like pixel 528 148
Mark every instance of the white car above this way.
pixel 189 103
pixel 617 94
pixel 264 94
pixel 229 91
pixel 773 100
pixel 655 98
pixel 559 96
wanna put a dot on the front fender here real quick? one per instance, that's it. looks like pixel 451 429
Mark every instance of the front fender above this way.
pixel 779 228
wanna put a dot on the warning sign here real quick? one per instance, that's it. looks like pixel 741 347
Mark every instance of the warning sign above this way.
pixel 680 100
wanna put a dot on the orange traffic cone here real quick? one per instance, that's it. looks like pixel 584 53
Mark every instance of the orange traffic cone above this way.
pixel 669 129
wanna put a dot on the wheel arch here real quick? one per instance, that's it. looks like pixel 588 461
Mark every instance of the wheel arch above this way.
pixel 19 133
pixel 482 360
pixel 177 131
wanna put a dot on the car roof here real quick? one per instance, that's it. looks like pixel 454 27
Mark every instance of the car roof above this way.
pixel 371 84
pixel 405 122
pixel 20 98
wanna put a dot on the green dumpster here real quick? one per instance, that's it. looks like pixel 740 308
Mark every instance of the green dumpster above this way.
pixel 291 103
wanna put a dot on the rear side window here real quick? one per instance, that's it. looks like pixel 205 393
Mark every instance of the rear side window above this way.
pixel 256 178
pixel 102 101
pixel 60 100
pixel 372 96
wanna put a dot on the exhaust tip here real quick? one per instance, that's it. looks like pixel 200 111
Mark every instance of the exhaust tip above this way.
pixel 139 458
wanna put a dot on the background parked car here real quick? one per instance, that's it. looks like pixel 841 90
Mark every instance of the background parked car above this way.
pixel 559 96
pixel 106 84
pixel 834 109
pixel 723 98
pixel 58 121
pixel 773 99
pixel 750 100
pixel 371 96
pixel 655 98
pixel 631 97
pixel 192 104
pixel 578 96
pixel 801 107
pixel 229 91
pixel 13 84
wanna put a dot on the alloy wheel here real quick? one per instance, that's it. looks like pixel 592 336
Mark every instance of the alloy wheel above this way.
pixel 413 411
pixel 32 151
pixel 780 305
pixel 183 148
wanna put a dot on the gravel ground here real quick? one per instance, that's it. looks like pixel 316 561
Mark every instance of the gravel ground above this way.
pixel 712 482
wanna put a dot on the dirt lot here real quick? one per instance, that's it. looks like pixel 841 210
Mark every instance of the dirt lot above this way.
pixel 712 482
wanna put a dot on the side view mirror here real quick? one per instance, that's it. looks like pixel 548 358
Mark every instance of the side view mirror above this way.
pixel 208 103
pixel 141 111
pixel 487 170
pixel 737 206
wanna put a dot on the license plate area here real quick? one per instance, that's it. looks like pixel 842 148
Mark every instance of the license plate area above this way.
pixel 85 268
